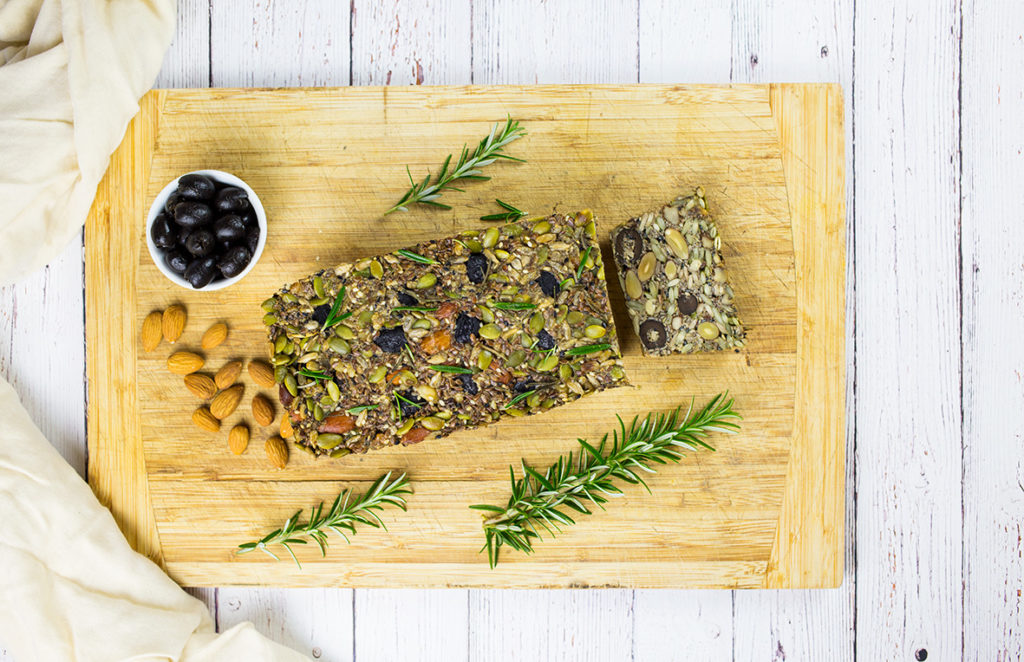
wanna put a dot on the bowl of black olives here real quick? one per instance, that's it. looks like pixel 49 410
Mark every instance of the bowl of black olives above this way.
pixel 206 230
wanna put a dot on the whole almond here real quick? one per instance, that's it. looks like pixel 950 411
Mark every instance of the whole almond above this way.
pixel 262 410
pixel 152 330
pixel 227 375
pixel 262 374
pixel 173 323
pixel 277 451
pixel 286 427
pixel 204 419
pixel 184 363
pixel 226 401
pixel 201 385
pixel 238 439
pixel 215 335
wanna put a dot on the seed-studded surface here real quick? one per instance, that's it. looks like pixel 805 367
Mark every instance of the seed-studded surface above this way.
pixel 671 270
pixel 447 334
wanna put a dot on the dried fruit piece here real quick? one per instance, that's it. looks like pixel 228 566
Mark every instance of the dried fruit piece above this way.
pixel 238 439
pixel 436 341
pixel 262 374
pixel 338 424
pixel 227 375
pixel 173 323
pixel 202 386
pixel 262 410
pixel 215 335
pixel 277 451
pixel 205 419
pixel 226 401
pixel 152 330
pixel 184 363
pixel 286 427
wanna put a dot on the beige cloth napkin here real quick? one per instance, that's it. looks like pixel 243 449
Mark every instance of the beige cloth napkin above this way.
pixel 71 74
pixel 70 586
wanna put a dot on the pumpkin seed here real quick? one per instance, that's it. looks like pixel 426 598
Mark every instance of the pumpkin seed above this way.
pixel 425 281
pixel 491 237
pixel 339 345
pixel 536 323
pixel 489 331
pixel 548 363
pixel 646 269
pixel 327 440
pixel 333 390
pixel 484 360
pixel 633 288
pixel 377 375
pixel 594 331
pixel 432 423
pixel 376 269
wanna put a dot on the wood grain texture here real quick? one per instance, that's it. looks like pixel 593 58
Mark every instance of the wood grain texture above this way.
pixel 117 467
pixel 263 43
pixel 187 62
pixel 409 625
pixel 909 554
pixel 529 625
pixel 993 315
pixel 683 626
pixel 737 516
pixel 315 622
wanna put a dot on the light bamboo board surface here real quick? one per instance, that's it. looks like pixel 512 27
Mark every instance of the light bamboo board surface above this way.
pixel 766 510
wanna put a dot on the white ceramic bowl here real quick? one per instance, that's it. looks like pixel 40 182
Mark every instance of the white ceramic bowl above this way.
pixel 158 205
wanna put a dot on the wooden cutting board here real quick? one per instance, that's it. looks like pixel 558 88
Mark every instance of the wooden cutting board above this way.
pixel 765 510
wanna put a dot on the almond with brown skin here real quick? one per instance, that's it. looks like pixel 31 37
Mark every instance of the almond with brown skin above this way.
pixel 184 363
pixel 215 335
pixel 152 330
pixel 262 410
pixel 286 427
pixel 277 451
pixel 227 375
pixel 173 323
pixel 226 401
pixel 262 374
pixel 238 439
pixel 200 385
pixel 204 419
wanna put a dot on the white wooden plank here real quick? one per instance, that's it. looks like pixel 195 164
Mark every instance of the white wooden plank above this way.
pixel 399 624
pixel 908 331
pixel 792 40
pixel 685 42
pixel 315 622
pixel 993 311
pixel 187 62
pixel 683 626
pixel 585 624
pixel 42 350
pixel 406 43
pixel 570 41
pixel 263 43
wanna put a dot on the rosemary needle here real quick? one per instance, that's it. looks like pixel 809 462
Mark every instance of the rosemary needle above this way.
pixel 467 167
pixel 539 501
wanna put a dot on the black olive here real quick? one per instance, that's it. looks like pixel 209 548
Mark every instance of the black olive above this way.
pixel 234 261
pixel 172 201
pixel 406 299
pixel 391 340
pixel 652 334
pixel 191 214
pixel 177 260
pixel 476 268
pixel 548 283
pixel 230 199
pixel 545 341
pixel 468 385
pixel 629 247
pixel 164 233
pixel 196 187
pixel 248 215
pixel 229 228
pixel 410 403
pixel 200 243
pixel 466 326
pixel 183 234
pixel 687 304
pixel 321 312
pixel 201 271
pixel 252 239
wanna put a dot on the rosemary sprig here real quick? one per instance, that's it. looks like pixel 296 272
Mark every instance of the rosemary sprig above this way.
pixel 513 305
pixel 521 396
pixel 333 317
pixel 415 257
pixel 467 167
pixel 456 369
pixel 346 512
pixel 590 475
pixel 510 214
pixel 583 262
pixel 314 374
pixel 358 409
pixel 587 349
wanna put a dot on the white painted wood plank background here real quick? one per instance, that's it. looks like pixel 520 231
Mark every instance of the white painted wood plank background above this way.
pixel 935 480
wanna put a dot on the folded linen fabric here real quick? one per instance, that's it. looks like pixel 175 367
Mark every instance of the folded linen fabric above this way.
pixel 70 586
pixel 71 74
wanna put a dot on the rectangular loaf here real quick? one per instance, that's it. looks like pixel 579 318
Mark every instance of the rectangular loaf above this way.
pixel 673 277
pixel 454 333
